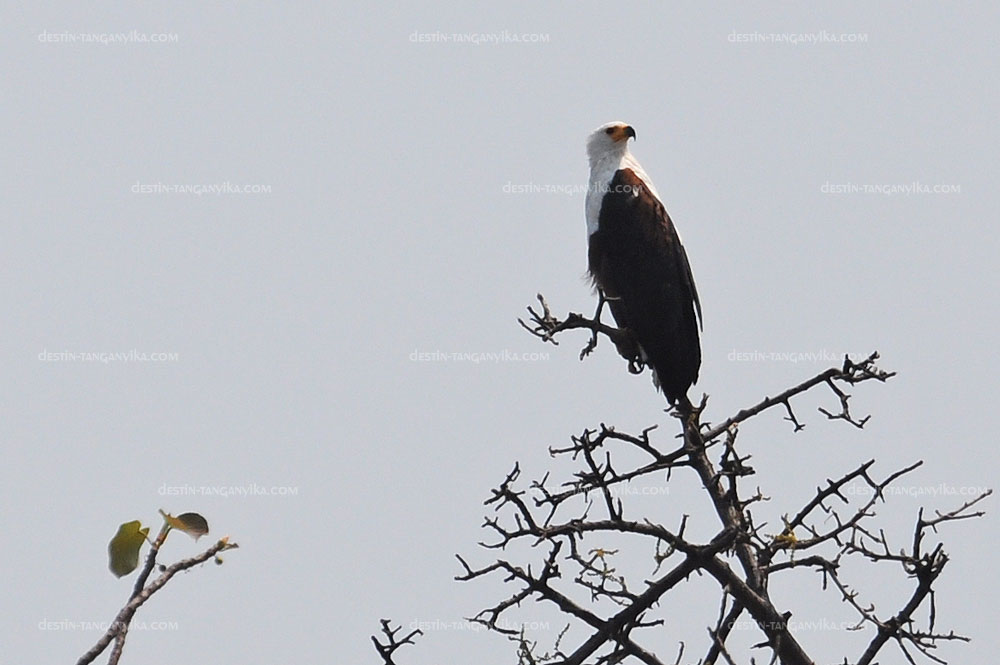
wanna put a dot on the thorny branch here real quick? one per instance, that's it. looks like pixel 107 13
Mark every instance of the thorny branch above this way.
pixel 574 518
pixel 546 327
pixel 392 642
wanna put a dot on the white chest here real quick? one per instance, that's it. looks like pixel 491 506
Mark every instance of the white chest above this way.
pixel 601 174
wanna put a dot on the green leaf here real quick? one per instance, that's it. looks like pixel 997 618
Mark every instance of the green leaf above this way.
pixel 123 550
pixel 192 524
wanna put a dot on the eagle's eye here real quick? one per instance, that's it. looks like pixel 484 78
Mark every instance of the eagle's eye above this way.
pixel 609 131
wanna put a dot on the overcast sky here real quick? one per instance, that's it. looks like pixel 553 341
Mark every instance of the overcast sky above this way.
pixel 240 249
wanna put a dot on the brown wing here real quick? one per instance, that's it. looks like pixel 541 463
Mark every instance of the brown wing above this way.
pixel 637 258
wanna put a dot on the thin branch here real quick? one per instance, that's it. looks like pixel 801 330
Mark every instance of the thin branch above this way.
pixel 121 622
pixel 391 641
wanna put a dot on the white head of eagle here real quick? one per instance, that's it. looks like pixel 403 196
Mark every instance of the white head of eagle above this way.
pixel 636 259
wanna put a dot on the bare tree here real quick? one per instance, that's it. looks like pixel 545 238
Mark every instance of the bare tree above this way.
pixel 833 527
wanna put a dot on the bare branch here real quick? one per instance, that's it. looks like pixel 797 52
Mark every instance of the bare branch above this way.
pixel 142 593
pixel 392 642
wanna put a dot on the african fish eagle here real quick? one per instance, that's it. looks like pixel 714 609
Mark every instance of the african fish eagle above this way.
pixel 637 260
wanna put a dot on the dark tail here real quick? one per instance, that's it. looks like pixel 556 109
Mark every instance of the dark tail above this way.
pixel 675 391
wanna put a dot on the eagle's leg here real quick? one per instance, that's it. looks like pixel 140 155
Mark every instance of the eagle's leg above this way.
pixel 624 341
pixel 601 299
pixel 592 344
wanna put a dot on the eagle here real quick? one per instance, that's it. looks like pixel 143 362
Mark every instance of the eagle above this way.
pixel 636 259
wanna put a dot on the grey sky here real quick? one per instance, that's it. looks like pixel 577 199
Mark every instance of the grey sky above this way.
pixel 388 226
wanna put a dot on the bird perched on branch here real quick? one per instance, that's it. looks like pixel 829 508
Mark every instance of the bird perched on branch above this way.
pixel 637 260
